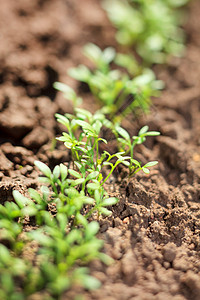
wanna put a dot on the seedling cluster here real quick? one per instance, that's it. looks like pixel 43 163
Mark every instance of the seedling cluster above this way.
pixel 153 27
pixel 117 91
pixel 64 213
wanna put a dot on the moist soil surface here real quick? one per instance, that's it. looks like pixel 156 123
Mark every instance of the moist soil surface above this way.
pixel 153 234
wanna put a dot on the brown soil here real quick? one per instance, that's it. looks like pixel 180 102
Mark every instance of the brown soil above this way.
pixel 153 235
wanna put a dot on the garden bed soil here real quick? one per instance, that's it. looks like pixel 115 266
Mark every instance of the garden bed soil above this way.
pixel 153 234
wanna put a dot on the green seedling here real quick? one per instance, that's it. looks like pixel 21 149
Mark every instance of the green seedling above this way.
pixel 67 242
pixel 152 26
pixel 101 59
pixel 113 88
pixel 61 250
pixel 88 159
pixel 85 147
pixel 13 270
pixel 129 63
pixel 128 144
pixel 68 93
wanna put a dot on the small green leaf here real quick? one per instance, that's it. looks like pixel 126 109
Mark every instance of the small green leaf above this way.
pixel 20 199
pixel 126 163
pixel 107 260
pixel 43 168
pixel 145 170
pixel 4 254
pixel 41 238
pixel 35 195
pixel 87 200
pixel 74 173
pixel 44 180
pixel 90 283
pixel 81 73
pixel 143 130
pixel 56 172
pixel 93 52
pixel 92 175
pixel 105 211
pixel 93 186
pixel 151 164
pixel 77 181
pixel 92 229
pixel 110 201
pixel 152 133
pixel 29 211
pixel 62 119
pixel 66 89
pixel 63 171
pixel 109 54
pixel 123 133
pixel 135 162
pixel 87 128
pixel 81 219
pixel 45 192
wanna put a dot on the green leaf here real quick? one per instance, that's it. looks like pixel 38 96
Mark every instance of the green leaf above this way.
pixel 77 181
pixel 93 52
pixel 107 260
pixel 88 200
pixel 92 229
pixel 43 168
pixel 86 126
pixel 126 163
pixel 41 238
pixel 110 201
pixel 135 162
pixel 66 89
pixel 7 283
pixel 109 54
pixel 145 170
pixel 105 211
pixel 81 219
pixel 151 164
pixel 20 199
pixel 35 195
pixel 62 119
pixel 123 133
pixel 93 186
pixel 143 130
pixel 29 211
pixel 56 172
pixel 92 175
pixel 81 73
pixel 90 283
pixel 44 180
pixel 74 173
pixel 4 254
pixel 45 192
pixel 63 172
pixel 62 218
pixel 152 133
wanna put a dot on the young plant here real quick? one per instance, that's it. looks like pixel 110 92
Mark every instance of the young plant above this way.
pixel 85 147
pixel 89 160
pixel 64 252
pixel 67 241
pixel 14 272
pixel 118 92
pixel 128 144
pixel 153 27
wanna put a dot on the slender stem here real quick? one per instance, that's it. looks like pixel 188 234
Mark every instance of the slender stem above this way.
pixel 97 152
pixel 111 171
